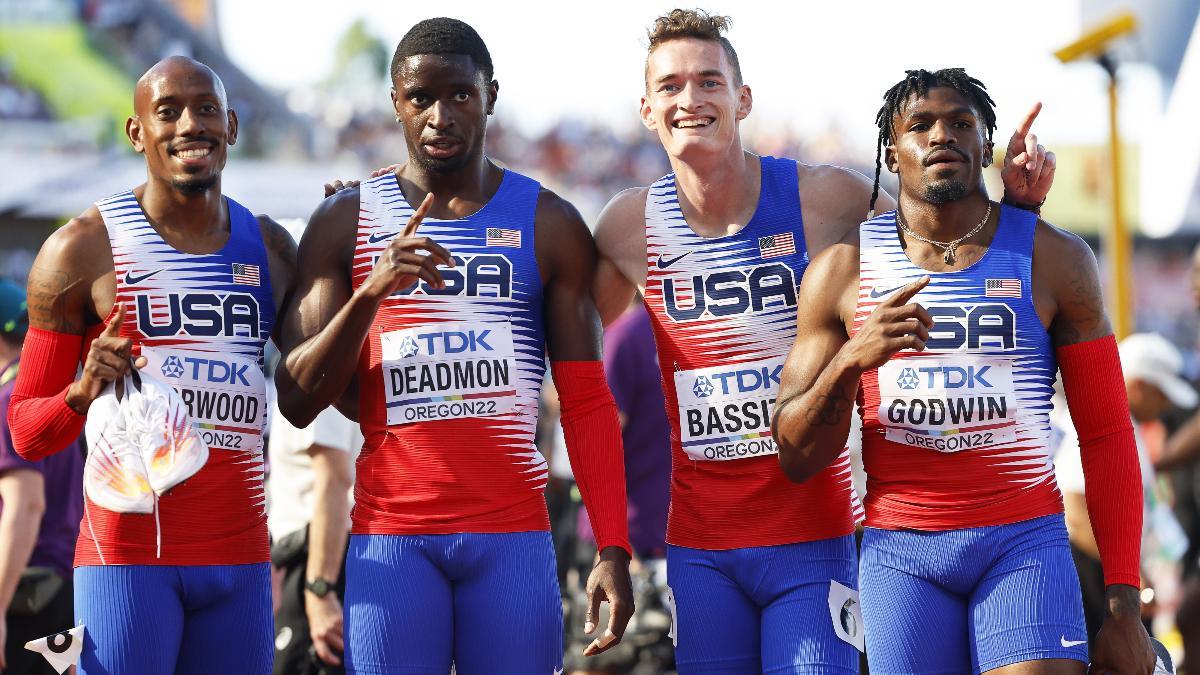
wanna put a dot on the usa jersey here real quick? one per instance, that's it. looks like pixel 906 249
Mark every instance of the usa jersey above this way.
pixel 449 378
pixel 724 316
pixel 957 436
pixel 201 321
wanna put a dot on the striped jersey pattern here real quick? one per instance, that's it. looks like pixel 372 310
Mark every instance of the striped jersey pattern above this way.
pixel 204 333
pixel 449 379
pixel 724 316
pixel 957 436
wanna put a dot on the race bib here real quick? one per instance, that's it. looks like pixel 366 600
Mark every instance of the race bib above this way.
pixel 725 412
pixel 226 395
pixel 448 371
pixel 948 404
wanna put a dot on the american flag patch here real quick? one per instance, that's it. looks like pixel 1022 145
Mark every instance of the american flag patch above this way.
pixel 245 274
pixel 1002 288
pixel 775 245
pixel 498 236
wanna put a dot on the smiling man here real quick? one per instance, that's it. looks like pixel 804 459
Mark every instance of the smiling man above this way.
pixel 174 273
pixel 946 320
pixel 439 340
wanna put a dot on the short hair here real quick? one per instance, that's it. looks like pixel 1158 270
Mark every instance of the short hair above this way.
pixel 917 83
pixel 443 35
pixel 693 23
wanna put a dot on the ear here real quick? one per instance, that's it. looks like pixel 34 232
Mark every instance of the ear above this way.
pixel 989 152
pixel 133 130
pixel 493 92
pixel 745 102
pixel 395 102
pixel 646 113
pixel 233 127
pixel 889 158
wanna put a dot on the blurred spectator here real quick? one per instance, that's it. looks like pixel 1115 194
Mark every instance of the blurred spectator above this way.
pixel 41 504
pixel 17 102
pixel 1152 368
pixel 312 473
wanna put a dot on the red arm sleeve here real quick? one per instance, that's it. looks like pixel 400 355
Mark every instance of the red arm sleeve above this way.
pixel 593 436
pixel 39 419
pixel 1095 389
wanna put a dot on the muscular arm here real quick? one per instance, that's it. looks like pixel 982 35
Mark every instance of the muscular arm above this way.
pixel 819 383
pixel 326 323
pixel 281 263
pixel 834 201
pixel 332 479
pixel 621 253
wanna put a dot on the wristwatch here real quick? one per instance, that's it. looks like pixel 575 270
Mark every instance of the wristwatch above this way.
pixel 318 587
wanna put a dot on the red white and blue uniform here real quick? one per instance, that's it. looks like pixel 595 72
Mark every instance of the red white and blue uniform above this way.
pixel 964 516
pixel 752 557
pixel 187 589
pixel 450 546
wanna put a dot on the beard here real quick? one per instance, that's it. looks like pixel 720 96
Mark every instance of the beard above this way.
pixel 194 186
pixel 443 166
pixel 945 191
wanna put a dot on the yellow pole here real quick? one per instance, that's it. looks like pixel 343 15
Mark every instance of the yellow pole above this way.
pixel 1119 242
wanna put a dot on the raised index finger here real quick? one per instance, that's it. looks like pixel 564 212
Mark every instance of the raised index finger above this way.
pixel 113 329
pixel 414 221
pixel 902 296
pixel 1017 142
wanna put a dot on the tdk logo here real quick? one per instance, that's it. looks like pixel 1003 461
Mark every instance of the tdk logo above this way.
pixel 972 327
pixel 200 315
pixel 454 342
pixel 213 370
pixel 739 381
pixel 172 366
pixel 952 377
pixel 730 292
pixel 408 347
pixel 475 276
pixel 908 379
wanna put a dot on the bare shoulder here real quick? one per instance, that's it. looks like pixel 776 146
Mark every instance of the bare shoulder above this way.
pixel 554 211
pixel 623 219
pixel 833 200
pixel 562 238
pixel 1067 279
pixel 332 227
pixel 830 283
pixel 1054 243
pixel 60 281
pixel 278 240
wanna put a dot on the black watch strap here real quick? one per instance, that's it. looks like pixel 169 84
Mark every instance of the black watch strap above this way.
pixel 319 587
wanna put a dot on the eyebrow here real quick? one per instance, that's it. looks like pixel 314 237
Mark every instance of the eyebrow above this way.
pixel 711 72
pixel 960 110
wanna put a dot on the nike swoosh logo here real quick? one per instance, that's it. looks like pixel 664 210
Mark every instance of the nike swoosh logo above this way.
pixel 375 238
pixel 1070 643
pixel 664 263
pixel 876 293
pixel 133 280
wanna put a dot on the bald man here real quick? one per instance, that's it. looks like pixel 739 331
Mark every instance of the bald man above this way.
pixel 186 283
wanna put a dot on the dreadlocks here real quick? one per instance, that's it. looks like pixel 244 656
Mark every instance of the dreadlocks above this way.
pixel 917 83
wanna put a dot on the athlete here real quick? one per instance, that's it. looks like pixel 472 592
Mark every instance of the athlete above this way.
pixel 442 335
pixel 718 248
pixel 188 282
pixel 947 319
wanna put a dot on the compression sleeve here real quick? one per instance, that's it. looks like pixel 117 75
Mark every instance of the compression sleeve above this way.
pixel 593 435
pixel 39 419
pixel 1095 389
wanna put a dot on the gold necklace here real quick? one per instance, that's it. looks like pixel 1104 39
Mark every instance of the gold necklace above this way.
pixel 947 246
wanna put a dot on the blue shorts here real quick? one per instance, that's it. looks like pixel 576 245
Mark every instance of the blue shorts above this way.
pixel 487 602
pixel 970 600
pixel 155 619
pixel 760 610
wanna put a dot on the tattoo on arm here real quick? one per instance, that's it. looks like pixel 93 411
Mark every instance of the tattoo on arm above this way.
pixel 47 300
pixel 1081 314
pixel 828 408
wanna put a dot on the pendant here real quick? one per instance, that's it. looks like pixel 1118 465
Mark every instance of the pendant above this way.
pixel 948 256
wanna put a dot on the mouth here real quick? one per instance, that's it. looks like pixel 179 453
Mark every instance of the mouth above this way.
pixel 944 157
pixel 693 122
pixel 193 153
pixel 442 147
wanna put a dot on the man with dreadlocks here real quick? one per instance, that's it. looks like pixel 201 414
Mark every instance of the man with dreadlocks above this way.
pixel 718 248
pixel 947 319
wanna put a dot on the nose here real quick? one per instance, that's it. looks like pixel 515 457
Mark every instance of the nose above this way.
pixel 941 133
pixel 439 116
pixel 687 99
pixel 189 124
